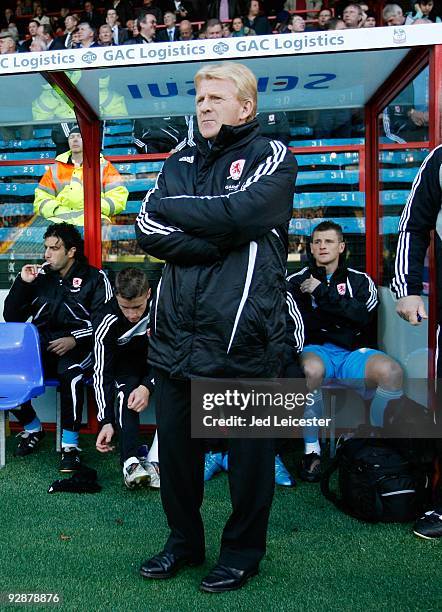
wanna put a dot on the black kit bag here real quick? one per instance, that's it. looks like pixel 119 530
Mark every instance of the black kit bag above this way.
pixel 376 482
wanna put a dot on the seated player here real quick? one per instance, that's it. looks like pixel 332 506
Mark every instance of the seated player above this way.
pixel 60 296
pixel 338 304
pixel 121 372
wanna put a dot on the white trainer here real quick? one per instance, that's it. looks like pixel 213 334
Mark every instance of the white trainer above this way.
pixel 134 474
pixel 153 469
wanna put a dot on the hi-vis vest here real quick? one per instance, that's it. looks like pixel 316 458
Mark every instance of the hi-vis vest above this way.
pixel 59 195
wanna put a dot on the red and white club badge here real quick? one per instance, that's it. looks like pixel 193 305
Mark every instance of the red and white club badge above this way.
pixel 342 288
pixel 236 169
pixel 76 282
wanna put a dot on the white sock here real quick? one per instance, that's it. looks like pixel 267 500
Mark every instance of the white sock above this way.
pixel 153 453
pixel 312 447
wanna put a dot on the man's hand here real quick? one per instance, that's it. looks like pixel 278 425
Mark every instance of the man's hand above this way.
pixel 419 118
pixel 29 272
pixel 62 345
pixel 412 309
pixel 309 285
pixel 103 439
pixel 138 399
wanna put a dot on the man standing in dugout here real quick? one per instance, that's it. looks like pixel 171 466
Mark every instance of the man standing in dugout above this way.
pixel 219 216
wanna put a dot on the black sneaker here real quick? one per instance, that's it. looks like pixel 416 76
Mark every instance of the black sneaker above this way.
pixel 429 526
pixel 70 460
pixel 28 443
pixel 310 468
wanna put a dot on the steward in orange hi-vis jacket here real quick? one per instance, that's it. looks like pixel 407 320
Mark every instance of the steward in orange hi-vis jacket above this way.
pixel 59 195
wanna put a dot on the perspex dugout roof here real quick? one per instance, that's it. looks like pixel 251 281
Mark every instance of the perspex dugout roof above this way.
pixel 313 70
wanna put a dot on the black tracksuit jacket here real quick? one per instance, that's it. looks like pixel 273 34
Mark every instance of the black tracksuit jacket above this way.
pixel 60 307
pixel 422 213
pixel 219 217
pixel 339 310
pixel 120 351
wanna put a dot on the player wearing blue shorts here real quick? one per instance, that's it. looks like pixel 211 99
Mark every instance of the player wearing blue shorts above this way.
pixel 338 304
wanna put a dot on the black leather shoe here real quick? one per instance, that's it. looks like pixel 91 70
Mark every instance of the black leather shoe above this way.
pixel 223 578
pixel 165 565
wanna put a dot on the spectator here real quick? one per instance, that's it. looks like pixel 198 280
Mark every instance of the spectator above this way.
pixel 8 43
pixel 23 8
pixel 424 10
pixel 364 8
pixel 335 24
pixel 40 16
pixel 259 23
pixel 123 7
pixel 239 29
pixel 297 24
pixel 32 29
pixel 352 16
pixel 324 17
pixel 227 33
pixel 91 16
pixel 147 25
pixel 59 22
pixel 87 35
pixel 223 10
pixel 181 9
pixel 8 17
pixel 213 29
pixel 149 7
pixel 38 44
pixel 119 34
pixel 170 33
pixel 76 42
pixel 60 296
pixel 71 23
pixel 393 15
pixel 52 44
pixel 130 28
pixel 105 37
pixel 370 21
pixel 123 367
pixel 282 22
pixel 338 305
pixel 59 194
pixel 12 28
pixel 186 30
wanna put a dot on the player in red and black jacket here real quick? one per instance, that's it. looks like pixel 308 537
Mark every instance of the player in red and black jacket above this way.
pixel 121 373
pixel 60 296
pixel 337 305
pixel 421 215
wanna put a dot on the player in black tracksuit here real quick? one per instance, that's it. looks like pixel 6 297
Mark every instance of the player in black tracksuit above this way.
pixel 121 370
pixel 421 215
pixel 337 305
pixel 60 297
pixel 219 216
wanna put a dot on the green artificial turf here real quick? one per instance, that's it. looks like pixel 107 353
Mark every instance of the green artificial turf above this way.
pixel 88 548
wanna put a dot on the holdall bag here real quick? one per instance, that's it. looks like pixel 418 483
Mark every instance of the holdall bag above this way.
pixel 376 482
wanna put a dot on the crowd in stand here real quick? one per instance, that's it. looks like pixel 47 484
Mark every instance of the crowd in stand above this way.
pixel 33 26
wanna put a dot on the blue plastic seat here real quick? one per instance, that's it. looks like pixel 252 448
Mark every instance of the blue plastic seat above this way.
pixel 21 371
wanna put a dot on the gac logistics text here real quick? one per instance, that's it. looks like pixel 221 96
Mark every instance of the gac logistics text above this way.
pixel 254 399
pixel 162 52
pixel 272 420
